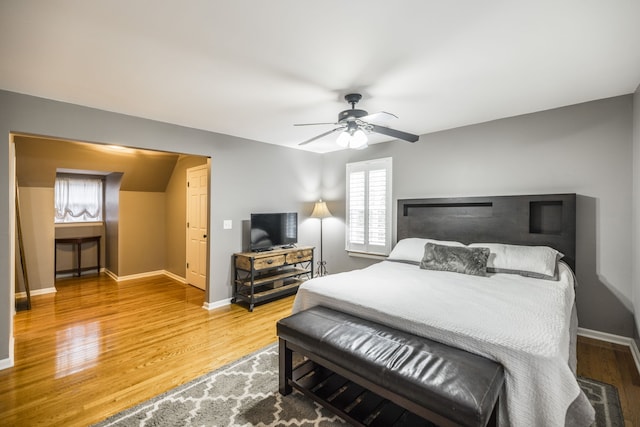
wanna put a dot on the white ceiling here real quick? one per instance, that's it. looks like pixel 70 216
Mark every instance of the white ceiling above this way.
pixel 254 68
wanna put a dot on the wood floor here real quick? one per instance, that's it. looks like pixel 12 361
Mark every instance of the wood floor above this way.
pixel 613 364
pixel 97 347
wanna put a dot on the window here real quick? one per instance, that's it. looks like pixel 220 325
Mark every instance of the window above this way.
pixel 78 198
pixel 369 206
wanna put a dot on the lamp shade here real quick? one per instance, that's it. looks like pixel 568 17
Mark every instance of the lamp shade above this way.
pixel 320 210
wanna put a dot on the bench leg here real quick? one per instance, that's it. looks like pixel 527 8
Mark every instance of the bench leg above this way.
pixel 285 358
pixel 493 420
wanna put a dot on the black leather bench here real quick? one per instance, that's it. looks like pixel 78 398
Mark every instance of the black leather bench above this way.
pixel 404 378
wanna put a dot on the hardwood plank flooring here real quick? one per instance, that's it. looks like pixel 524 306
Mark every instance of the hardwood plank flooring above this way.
pixel 97 347
pixel 613 364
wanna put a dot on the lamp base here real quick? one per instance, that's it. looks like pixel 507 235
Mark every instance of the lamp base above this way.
pixel 322 268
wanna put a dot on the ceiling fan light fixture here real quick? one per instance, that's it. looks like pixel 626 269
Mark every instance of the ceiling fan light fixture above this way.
pixel 343 139
pixel 352 139
pixel 358 139
pixel 353 123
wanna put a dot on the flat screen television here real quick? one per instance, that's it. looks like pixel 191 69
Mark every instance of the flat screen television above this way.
pixel 269 230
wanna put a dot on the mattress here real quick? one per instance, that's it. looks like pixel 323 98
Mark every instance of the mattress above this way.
pixel 523 323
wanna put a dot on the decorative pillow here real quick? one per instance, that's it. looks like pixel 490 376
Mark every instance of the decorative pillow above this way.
pixel 540 262
pixel 411 250
pixel 454 258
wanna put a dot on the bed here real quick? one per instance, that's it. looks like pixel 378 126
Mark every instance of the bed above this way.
pixel 528 324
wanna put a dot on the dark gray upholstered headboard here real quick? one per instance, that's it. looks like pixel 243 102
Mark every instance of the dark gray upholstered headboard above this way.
pixel 534 220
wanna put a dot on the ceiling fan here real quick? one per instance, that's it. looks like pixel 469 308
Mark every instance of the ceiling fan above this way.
pixel 355 124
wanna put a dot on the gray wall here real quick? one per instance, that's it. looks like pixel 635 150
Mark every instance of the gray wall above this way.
pixel 584 149
pixel 141 232
pixel 37 208
pixel 636 211
pixel 112 222
pixel 246 177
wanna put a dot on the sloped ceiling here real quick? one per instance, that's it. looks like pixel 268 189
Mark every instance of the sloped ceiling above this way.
pixel 38 160
pixel 254 68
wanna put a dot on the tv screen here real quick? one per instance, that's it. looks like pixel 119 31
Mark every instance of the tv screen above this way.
pixel 273 229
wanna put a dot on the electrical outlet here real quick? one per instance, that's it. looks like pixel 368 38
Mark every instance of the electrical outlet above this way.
pixel 227 224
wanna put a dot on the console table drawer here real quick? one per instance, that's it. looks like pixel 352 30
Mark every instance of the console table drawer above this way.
pixel 272 261
pixel 260 263
pixel 300 256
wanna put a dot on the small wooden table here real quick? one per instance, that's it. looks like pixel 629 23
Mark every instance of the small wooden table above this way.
pixel 77 242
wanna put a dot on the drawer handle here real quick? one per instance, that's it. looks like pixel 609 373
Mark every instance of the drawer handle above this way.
pixel 299 256
pixel 269 261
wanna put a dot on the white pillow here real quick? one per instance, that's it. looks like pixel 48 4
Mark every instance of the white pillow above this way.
pixel 411 250
pixel 540 262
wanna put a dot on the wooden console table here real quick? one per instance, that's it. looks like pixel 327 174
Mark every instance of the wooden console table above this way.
pixel 263 276
pixel 77 242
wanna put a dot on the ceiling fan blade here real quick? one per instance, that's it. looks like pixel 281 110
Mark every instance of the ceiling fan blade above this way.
pixel 395 133
pixel 321 135
pixel 313 124
pixel 381 116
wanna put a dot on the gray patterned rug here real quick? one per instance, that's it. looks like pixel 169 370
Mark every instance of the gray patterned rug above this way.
pixel 605 400
pixel 245 393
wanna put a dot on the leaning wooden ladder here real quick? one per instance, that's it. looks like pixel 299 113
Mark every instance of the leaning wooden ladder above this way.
pixel 22 304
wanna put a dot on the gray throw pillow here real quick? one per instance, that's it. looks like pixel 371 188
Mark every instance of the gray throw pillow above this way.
pixel 456 259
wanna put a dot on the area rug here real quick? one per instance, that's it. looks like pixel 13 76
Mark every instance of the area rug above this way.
pixel 605 400
pixel 245 393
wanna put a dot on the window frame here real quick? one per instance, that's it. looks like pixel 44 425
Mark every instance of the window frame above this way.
pixel 80 176
pixel 367 166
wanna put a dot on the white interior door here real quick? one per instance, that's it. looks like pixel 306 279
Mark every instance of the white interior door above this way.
pixel 197 232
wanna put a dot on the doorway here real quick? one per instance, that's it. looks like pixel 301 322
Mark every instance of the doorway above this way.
pixel 155 199
pixel 197 225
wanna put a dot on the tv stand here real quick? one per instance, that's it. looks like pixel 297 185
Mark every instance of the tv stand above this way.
pixel 268 275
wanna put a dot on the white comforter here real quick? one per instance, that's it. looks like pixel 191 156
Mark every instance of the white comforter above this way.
pixel 522 323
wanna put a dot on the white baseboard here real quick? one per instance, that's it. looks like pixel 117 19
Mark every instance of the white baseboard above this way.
pixel 51 290
pixel 614 339
pixel 635 352
pixel 144 275
pixel 216 304
pixel 111 274
pixel 134 276
pixel 9 361
pixel 175 277
pixel 72 274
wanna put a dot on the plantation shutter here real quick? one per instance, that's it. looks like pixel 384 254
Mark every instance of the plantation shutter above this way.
pixel 369 207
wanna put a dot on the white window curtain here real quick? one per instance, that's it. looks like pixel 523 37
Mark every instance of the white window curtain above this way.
pixel 78 199
pixel 369 208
